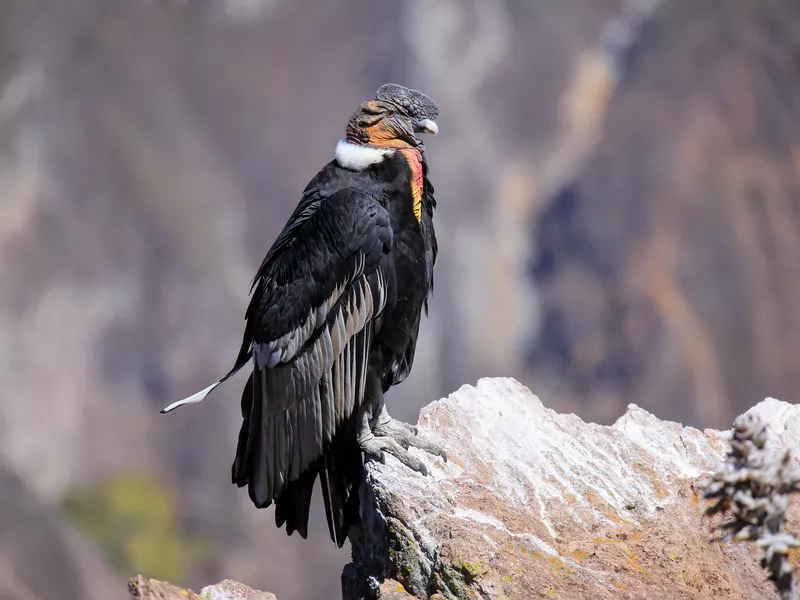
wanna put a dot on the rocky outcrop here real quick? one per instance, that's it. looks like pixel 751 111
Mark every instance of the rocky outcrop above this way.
pixel 151 151
pixel 141 588
pixel 537 504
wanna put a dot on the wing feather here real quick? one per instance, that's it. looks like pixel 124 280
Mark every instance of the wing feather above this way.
pixel 335 403
pixel 310 325
pixel 293 470
pixel 273 461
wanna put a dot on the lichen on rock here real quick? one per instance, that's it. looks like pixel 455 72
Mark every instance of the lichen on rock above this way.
pixel 537 504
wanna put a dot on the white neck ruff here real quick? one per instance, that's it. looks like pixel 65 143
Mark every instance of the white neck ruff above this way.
pixel 358 157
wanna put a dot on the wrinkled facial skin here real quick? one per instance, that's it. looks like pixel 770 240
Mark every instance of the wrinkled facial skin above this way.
pixel 381 124
pixel 392 119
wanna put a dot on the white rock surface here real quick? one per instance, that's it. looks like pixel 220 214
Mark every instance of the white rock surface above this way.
pixel 537 504
pixel 233 590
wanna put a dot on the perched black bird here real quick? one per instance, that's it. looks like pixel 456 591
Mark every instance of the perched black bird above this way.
pixel 334 316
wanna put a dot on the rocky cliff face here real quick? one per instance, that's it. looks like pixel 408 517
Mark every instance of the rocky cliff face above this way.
pixel 142 588
pixel 538 504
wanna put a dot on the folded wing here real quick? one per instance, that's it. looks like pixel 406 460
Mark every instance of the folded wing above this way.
pixel 316 302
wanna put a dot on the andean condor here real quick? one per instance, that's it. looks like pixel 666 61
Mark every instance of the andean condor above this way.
pixel 333 319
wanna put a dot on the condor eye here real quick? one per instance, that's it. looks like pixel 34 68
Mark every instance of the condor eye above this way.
pixel 389 113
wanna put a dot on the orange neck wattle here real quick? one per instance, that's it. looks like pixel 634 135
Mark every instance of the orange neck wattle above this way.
pixel 414 160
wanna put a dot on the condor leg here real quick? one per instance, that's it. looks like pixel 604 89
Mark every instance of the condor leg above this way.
pixel 374 443
pixel 385 426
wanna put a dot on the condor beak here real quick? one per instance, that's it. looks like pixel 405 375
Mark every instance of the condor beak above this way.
pixel 426 126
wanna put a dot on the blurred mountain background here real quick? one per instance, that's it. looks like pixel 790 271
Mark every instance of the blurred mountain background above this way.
pixel 619 221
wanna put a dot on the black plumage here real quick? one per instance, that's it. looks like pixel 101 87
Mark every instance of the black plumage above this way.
pixel 334 315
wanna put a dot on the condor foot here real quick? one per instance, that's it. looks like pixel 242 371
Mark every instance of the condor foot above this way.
pixel 376 446
pixel 406 435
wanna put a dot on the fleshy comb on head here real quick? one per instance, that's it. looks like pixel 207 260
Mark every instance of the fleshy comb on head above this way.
pixel 416 104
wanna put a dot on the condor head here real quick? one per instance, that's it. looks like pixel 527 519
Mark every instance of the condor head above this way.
pixel 393 118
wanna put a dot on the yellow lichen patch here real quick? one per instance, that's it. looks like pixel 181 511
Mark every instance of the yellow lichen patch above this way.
pixel 698 504
pixel 564 572
pixel 626 550
pixel 603 540
pixel 631 557
pixel 535 554
pixel 680 567
pixel 578 555
pixel 575 554
pixel 560 568
pixel 472 570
